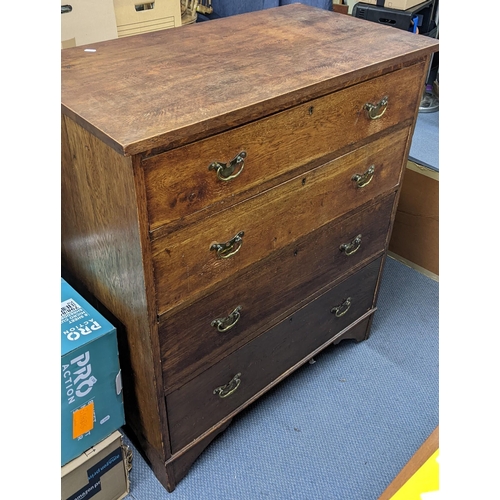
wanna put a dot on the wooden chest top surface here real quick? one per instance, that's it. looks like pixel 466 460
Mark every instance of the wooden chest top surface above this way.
pixel 159 90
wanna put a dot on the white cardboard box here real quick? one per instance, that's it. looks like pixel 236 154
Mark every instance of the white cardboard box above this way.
pixel 87 21
pixel 91 21
pixel 101 473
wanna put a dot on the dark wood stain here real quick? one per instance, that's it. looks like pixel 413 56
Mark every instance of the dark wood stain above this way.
pixel 277 349
pixel 267 293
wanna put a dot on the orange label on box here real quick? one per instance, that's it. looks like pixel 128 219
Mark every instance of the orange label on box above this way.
pixel 83 420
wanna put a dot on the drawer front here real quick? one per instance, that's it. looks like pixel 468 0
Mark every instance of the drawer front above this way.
pixel 208 398
pixel 179 182
pixel 190 343
pixel 184 263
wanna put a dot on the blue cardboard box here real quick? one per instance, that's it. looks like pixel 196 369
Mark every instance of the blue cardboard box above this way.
pixel 91 389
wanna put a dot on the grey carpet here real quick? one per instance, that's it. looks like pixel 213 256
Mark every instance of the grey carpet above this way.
pixel 424 148
pixel 338 429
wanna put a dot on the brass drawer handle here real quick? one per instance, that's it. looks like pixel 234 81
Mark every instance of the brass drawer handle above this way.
pixel 342 308
pixel 375 111
pixel 226 390
pixel 225 324
pixel 363 180
pixel 226 250
pixel 225 170
pixel 352 247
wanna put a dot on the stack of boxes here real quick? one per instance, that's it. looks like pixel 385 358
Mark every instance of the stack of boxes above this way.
pixel 93 457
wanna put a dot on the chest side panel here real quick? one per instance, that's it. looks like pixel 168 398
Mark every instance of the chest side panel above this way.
pixel 102 248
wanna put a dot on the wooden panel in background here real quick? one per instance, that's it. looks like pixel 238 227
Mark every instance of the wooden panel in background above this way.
pixel 415 235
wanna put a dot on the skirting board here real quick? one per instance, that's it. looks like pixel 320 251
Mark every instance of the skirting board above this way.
pixel 418 268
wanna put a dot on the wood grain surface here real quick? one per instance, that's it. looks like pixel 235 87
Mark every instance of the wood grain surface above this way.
pixel 184 264
pixel 267 292
pixel 143 114
pixel 268 356
pixel 179 184
pixel 101 247
pixel 169 87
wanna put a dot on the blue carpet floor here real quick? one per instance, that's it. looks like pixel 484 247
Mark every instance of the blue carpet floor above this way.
pixel 338 429
pixel 424 148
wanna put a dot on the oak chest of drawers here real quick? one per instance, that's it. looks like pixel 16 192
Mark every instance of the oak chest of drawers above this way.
pixel 228 193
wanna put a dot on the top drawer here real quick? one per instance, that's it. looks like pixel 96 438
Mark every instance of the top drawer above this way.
pixel 225 168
